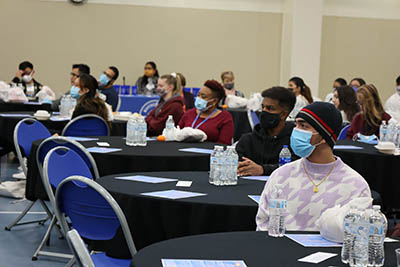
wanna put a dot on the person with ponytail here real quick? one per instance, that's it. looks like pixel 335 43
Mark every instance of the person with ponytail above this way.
pixel 302 93
pixel 169 89
pixel 88 101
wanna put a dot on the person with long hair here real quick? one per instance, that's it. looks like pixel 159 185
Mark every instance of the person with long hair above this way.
pixel 355 83
pixel 171 103
pixel 368 121
pixel 345 100
pixel 89 102
pixel 337 83
pixel 302 93
pixel 147 84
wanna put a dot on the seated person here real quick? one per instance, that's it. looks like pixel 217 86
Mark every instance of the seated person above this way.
pixel 337 83
pixel 356 83
pixel 228 81
pixel 73 91
pixel 147 84
pixel 169 90
pixel 368 121
pixel 24 76
pixel 217 124
pixel 319 180
pixel 106 81
pixel 89 102
pixel 345 100
pixel 188 98
pixel 302 93
pixel 392 105
pixel 260 149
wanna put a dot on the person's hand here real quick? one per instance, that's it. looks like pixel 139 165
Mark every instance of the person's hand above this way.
pixel 248 167
pixel 19 74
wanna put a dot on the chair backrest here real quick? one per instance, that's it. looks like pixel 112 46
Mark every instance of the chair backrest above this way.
pixel 55 141
pixel 253 118
pixel 87 203
pixel 87 125
pixel 79 249
pixel 25 133
pixel 343 132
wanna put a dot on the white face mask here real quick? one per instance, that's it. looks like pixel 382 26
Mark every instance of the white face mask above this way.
pixel 27 78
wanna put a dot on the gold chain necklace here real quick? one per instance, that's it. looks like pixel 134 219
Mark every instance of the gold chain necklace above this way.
pixel 323 180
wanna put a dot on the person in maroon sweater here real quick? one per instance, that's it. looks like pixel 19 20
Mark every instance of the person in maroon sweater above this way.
pixel 169 90
pixel 368 121
pixel 217 124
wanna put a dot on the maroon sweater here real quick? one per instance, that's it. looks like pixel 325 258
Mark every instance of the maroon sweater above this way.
pixel 158 116
pixel 358 126
pixel 218 129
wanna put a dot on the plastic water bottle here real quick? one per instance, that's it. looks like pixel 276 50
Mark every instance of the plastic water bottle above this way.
pixel 359 252
pixel 213 163
pixel 383 131
pixel 277 212
pixel 285 156
pixel 397 142
pixel 348 236
pixel 231 163
pixel 377 232
pixel 131 132
pixel 391 129
pixel 169 126
pixel 142 132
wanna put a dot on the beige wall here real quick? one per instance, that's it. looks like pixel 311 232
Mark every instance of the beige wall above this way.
pixel 367 48
pixel 199 43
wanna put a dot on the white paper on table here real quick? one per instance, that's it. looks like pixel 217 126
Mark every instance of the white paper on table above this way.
pixel 388 239
pixel 103 144
pixel 317 257
pixel 58 118
pixel 173 194
pixel 12 115
pixel 146 179
pixel 103 149
pixel 184 183
pixel 312 240
pixel 197 263
pixel 197 150
pixel 347 147
pixel 82 139
pixel 256 178
pixel 256 198
pixel 32 103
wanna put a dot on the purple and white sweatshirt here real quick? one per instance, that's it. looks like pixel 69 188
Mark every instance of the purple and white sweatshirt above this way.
pixel 304 206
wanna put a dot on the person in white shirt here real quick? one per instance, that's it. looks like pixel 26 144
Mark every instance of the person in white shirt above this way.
pixel 302 93
pixel 337 83
pixel 392 105
pixel 345 100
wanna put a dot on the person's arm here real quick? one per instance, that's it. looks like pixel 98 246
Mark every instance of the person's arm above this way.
pixel 155 125
pixel 354 127
pixel 182 121
pixel 227 129
pixel 16 80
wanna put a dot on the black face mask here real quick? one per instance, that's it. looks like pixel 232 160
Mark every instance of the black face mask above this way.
pixel 269 120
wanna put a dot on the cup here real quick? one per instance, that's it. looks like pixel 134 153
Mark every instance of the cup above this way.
pixel 398 256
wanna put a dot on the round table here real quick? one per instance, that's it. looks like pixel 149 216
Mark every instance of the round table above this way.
pixel 378 169
pixel 29 106
pixel 156 156
pixel 256 249
pixel 152 219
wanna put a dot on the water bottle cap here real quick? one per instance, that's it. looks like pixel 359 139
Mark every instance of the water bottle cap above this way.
pixel 376 207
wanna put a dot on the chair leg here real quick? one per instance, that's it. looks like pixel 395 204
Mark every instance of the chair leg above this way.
pixel 71 262
pixel 21 215
pixel 50 214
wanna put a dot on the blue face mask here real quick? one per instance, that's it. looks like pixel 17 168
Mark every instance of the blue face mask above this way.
pixel 300 143
pixel 104 80
pixel 74 92
pixel 200 104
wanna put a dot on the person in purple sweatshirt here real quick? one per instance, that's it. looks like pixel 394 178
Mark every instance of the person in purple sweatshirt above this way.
pixel 319 180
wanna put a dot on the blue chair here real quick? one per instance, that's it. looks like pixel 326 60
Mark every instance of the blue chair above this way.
pixel 25 133
pixel 117 88
pixel 134 90
pixel 79 249
pixel 253 118
pixel 343 132
pixel 86 203
pixel 87 125
pixel 59 154
pixel 195 91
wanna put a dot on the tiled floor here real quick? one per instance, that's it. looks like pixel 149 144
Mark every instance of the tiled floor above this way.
pixel 18 245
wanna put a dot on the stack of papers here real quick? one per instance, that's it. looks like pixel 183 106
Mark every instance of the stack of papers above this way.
pixel 202 263
pixel 82 139
pixel 256 178
pixel 12 115
pixel 103 149
pixel 173 194
pixel 146 179
pixel 317 257
pixel 347 147
pixel 312 240
pixel 197 150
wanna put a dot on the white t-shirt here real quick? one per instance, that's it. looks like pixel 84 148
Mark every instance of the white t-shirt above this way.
pixel 301 102
pixel 392 106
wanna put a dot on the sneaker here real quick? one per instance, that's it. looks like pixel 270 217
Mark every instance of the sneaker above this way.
pixel 19 176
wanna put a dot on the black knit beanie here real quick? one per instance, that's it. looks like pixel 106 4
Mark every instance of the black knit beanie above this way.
pixel 325 119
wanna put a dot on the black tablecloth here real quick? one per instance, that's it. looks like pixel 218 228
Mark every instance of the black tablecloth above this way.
pixel 8 107
pixel 378 169
pixel 156 156
pixel 240 122
pixel 226 208
pixel 257 249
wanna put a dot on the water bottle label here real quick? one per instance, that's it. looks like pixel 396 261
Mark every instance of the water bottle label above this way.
pixel 374 230
pixel 283 161
pixel 278 204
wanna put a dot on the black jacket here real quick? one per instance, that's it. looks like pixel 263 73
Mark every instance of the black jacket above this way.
pixel 264 149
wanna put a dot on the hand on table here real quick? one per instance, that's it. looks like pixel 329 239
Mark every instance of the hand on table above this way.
pixel 248 167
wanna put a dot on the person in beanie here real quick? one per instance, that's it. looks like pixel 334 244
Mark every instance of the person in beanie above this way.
pixel 319 180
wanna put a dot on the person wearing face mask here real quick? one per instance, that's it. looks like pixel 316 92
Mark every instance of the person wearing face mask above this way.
pixel 216 124
pixel 337 83
pixel 24 76
pixel 147 84
pixel 319 180
pixel 106 81
pixel 355 83
pixel 260 149
pixel 169 90
pixel 228 81
pixel 392 105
